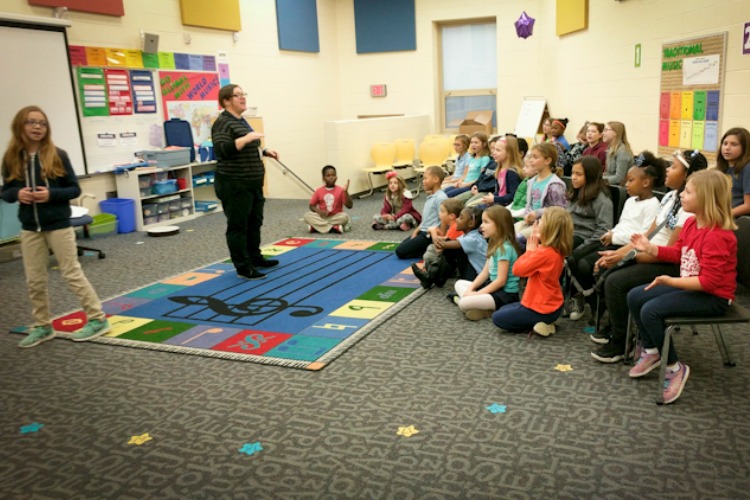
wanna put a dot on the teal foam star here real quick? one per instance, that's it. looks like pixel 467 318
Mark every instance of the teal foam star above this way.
pixel 496 408
pixel 32 427
pixel 251 448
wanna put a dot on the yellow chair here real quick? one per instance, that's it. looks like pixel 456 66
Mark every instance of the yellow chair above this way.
pixel 383 154
pixel 405 152
pixel 431 153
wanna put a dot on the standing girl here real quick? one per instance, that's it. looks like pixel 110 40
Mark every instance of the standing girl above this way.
pixel 506 178
pixel 619 154
pixel 545 189
pixel 664 230
pixel 398 211
pixel 542 301
pixel 596 147
pixel 733 160
pixel 495 285
pixel 461 147
pixel 479 150
pixel 40 177
pixel 591 209
pixel 707 254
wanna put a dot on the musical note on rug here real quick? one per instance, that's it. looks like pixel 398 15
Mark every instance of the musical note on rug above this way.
pixel 210 330
pixel 250 342
pixel 254 307
pixel 157 330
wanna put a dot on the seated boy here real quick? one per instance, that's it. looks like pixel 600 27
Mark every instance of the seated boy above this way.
pixel 327 204
pixel 415 245
pixel 449 211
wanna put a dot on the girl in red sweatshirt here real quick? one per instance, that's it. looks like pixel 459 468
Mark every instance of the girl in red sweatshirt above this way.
pixel 550 242
pixel 707 253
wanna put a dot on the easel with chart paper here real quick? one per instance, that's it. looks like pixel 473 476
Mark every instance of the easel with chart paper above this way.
pixel 533 112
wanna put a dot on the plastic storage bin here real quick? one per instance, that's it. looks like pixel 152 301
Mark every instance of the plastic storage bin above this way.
pixel 168 158
pixel 103 224
pixel 164 187
pixel 124 210
pixel 205 206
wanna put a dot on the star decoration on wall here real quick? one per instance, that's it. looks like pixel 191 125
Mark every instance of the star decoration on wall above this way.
pixel 251 448
pixel 496 408
pixel 139 440
pixel 564 368
pixel 32 427
pixel 407 431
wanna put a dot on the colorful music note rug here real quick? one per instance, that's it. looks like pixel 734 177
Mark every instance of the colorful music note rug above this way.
pixel 324 296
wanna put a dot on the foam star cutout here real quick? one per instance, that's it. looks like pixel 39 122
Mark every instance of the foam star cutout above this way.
pixel 251 448
pixel 139 440
pixel 496 408
pixel 564 368
pixel 407 431
pixel 32 427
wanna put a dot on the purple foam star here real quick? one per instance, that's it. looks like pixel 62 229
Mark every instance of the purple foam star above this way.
pixel 525 26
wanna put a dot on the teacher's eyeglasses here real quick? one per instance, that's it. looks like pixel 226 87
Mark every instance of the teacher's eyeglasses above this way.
pixel 34 123
pixel 241 95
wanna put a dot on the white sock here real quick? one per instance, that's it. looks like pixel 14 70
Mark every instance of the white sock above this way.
pixel 651 350
pixel 674 368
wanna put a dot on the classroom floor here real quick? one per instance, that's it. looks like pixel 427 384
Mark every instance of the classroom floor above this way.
pixel 589 432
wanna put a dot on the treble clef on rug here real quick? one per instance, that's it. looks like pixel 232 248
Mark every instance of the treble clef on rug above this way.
pixel 254 307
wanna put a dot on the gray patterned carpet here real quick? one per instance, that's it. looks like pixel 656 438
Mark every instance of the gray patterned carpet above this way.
pixel 590 432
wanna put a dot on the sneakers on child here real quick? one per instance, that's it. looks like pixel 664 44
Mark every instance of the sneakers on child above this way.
pixel 477 314
pixel 577 305
pixel 93 329
pixel 311 229
pixel 346 228
pixel 37 335
pixel 422 275
pixel 600 336
pixel 646 363
pixel 336 229
pixel 675 383
pixel 611 352
pixel 405 226
pixel 544 329
pixel 377 226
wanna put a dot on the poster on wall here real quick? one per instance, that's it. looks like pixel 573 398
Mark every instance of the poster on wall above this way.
pixel 144 94
pixel 692 76
pixel 192 97
pixel 118 90
pixel 92 92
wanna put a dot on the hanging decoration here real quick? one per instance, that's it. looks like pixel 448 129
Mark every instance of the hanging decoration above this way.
pixel 525 26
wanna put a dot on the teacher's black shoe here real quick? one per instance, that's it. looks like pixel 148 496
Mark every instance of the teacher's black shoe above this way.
pixel 252 274
pixel 265 263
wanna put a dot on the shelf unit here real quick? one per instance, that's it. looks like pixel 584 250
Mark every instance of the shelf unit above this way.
pixel 169 208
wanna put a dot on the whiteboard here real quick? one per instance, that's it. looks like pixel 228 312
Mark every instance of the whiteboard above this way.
pixel 36 71
pixel 530 116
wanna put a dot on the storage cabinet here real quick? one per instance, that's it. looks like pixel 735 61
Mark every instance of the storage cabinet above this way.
pixel 153 206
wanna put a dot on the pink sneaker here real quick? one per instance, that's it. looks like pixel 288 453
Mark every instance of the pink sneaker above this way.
pixel 405 227
pixel 337 229
pixel 675 383
pixel 645 364
pixel 311 229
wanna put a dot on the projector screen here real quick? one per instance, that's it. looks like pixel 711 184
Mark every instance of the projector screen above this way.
pixel 36 70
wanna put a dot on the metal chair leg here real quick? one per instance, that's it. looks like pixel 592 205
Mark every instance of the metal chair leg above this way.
pixel 726 356
pixel 372 186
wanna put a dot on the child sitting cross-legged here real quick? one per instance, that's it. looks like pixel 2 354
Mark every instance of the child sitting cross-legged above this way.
pixel 398 211
pixel 327 205
pixel 415 245
pixel 496 285
pixel 551 240
pixel 467 254
pixel 433 258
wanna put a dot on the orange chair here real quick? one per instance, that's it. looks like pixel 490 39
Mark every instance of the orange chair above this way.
pixel 383 154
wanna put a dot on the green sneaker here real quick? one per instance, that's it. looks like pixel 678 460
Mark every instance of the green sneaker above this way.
pixel 37 335
pixel 94 328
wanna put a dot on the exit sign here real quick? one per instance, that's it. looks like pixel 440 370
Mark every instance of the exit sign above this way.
pixel 378 90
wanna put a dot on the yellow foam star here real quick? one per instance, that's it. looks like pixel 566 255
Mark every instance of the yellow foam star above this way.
pixel 407 431
pixel 564 368
pixel 139 440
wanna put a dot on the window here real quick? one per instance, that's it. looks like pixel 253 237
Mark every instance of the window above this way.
pixel 469 70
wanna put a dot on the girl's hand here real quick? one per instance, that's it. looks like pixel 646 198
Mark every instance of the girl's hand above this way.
pixel 533 242
pixel 608 259
pixel 640 242
pixel 529 218
pixel 41 195
pixel 488 199
pixel 606 239
pixel 660 280
pixel 468 293
pixel 26 196
pixel 438 241
pixel 457 184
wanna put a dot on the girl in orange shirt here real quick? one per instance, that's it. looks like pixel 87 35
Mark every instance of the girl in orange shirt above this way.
pixel 550 242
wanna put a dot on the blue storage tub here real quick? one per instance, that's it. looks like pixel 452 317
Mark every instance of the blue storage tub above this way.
pixel 123 209
pixel 164 187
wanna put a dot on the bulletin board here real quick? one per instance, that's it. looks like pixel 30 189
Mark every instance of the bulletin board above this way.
pixel 691 93
pixel 125 96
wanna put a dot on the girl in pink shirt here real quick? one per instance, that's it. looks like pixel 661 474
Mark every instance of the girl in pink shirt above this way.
pixel 707 253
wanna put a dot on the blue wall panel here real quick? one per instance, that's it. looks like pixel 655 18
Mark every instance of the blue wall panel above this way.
pixel 385 25
pixel 297 22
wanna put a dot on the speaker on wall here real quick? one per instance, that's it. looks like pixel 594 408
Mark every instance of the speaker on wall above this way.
pixel 150 43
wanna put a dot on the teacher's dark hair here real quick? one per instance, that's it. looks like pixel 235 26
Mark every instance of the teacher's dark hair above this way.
pixel 226 93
